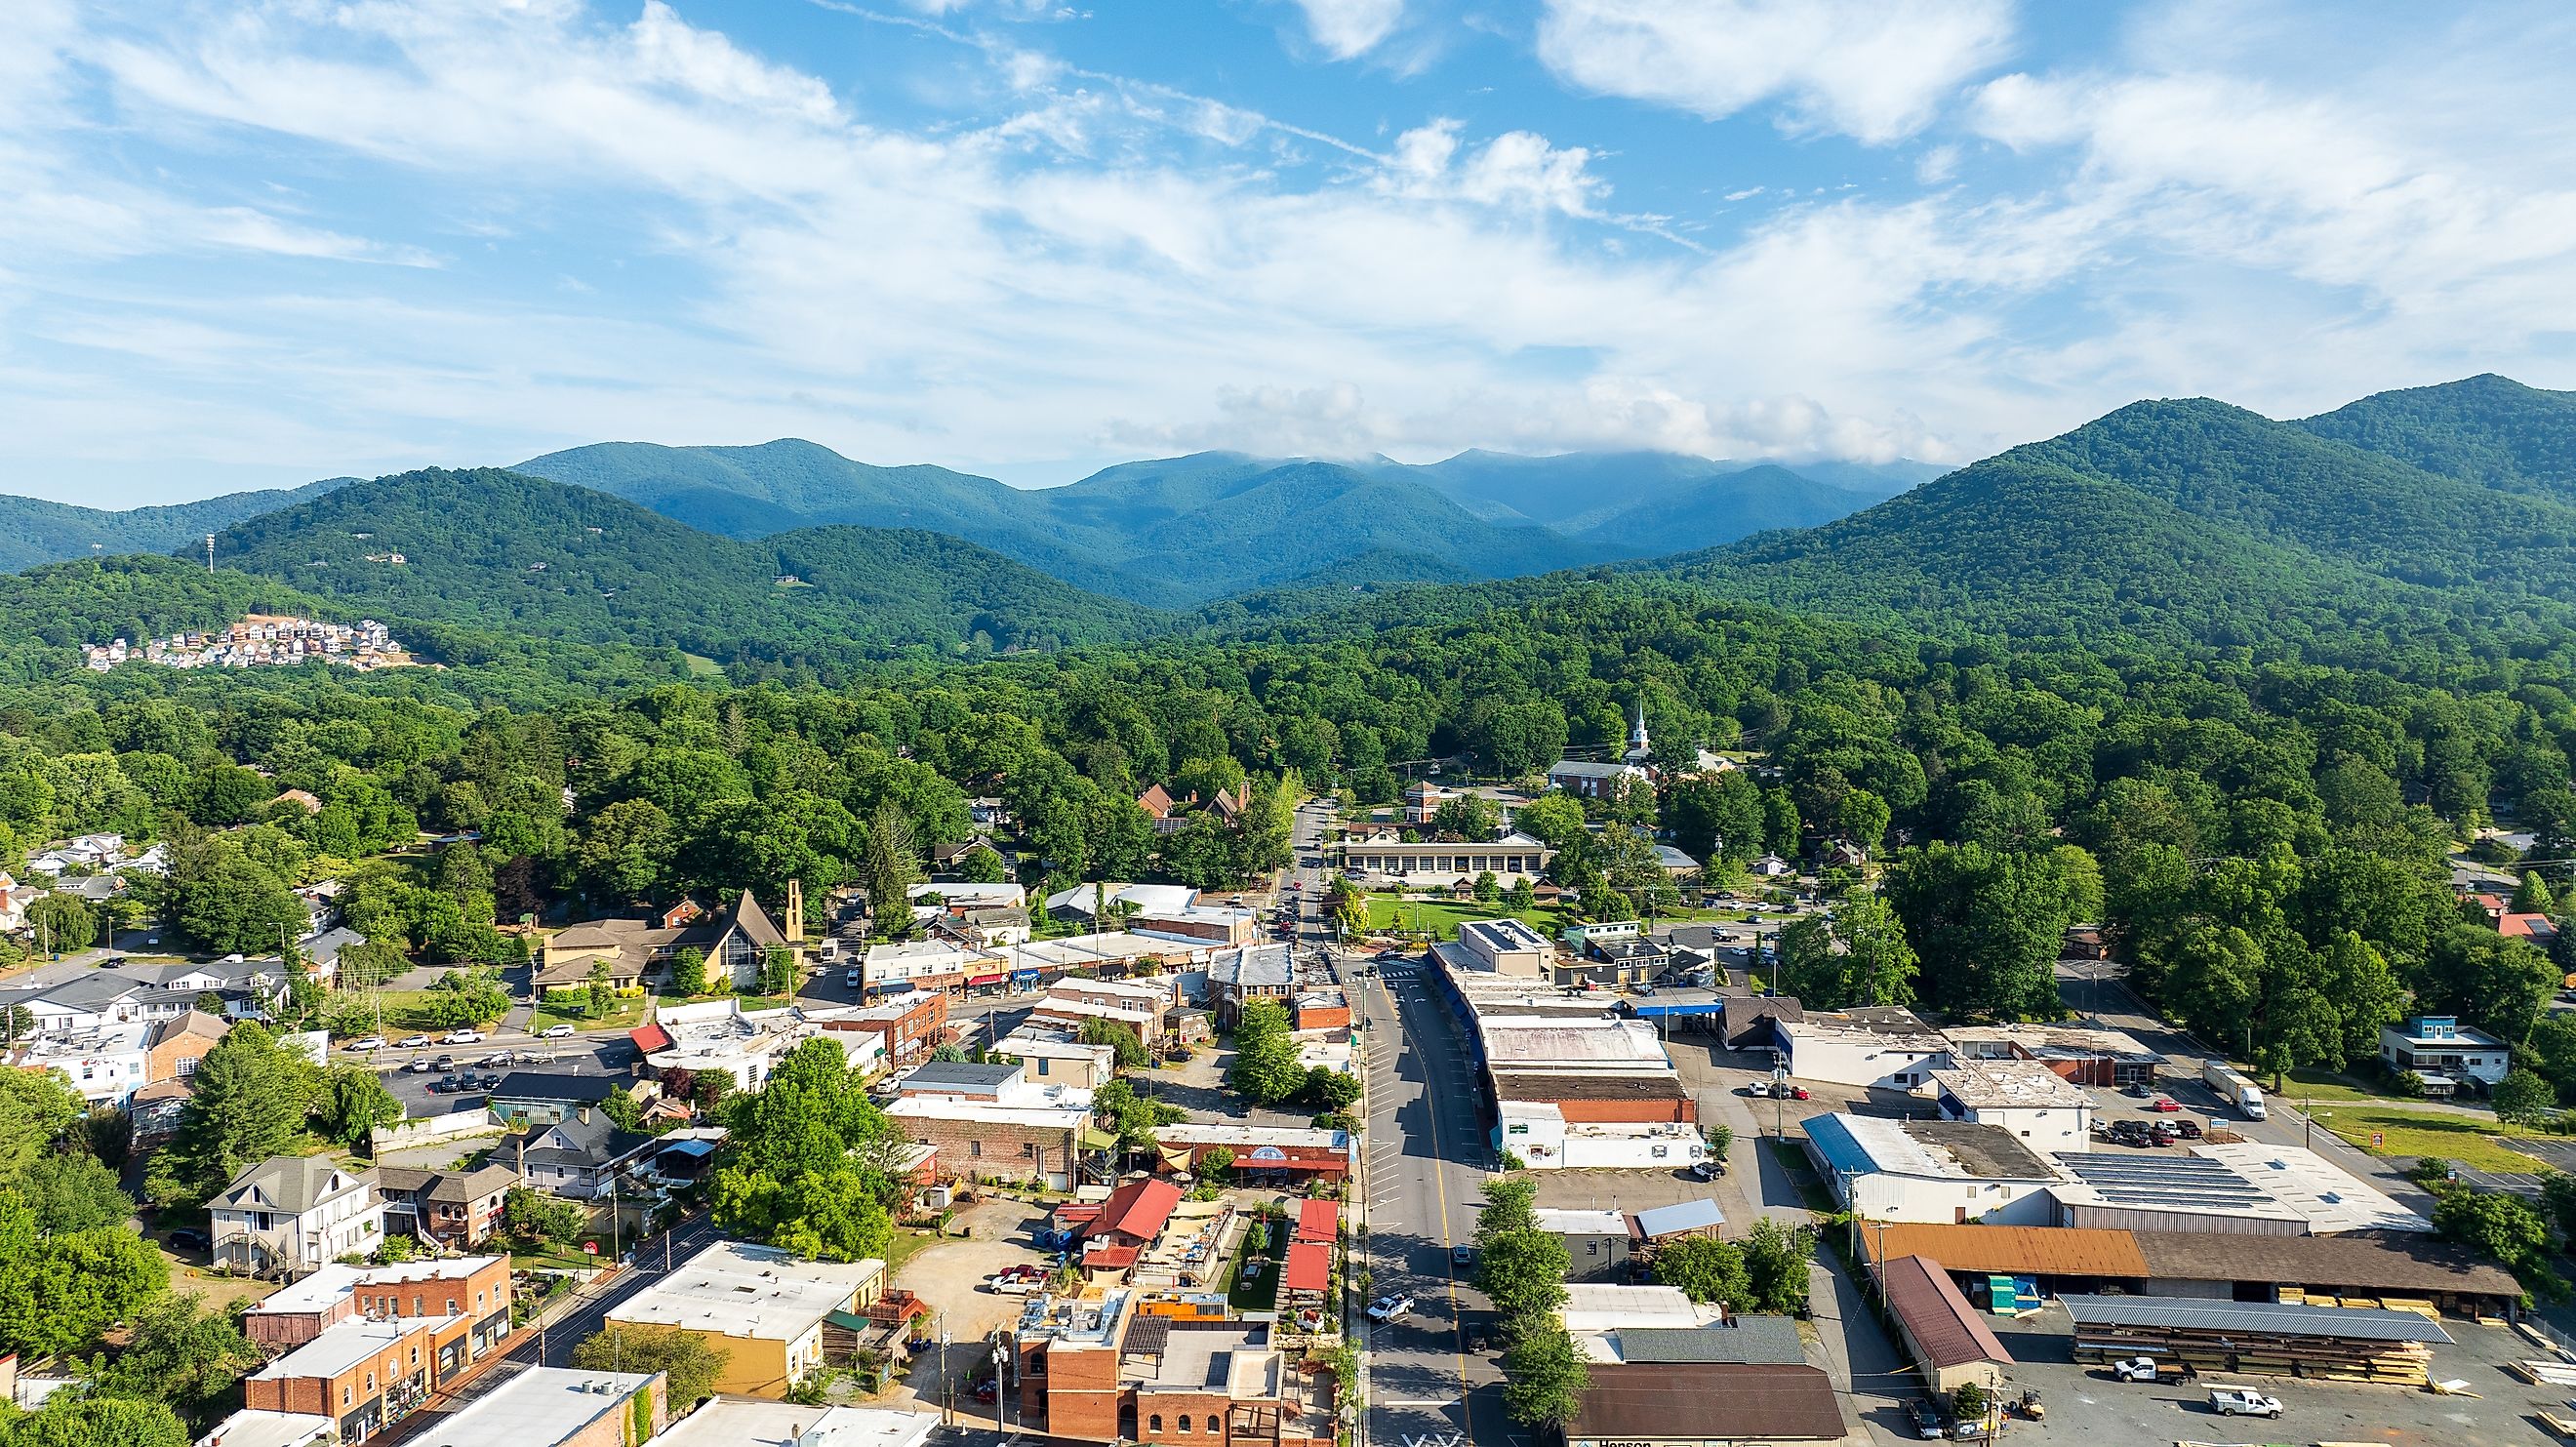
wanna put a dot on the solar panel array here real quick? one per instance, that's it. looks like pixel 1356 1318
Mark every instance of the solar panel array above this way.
pixel 2125 1179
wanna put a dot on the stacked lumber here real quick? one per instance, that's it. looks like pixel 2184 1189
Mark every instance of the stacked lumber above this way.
pixel 2420 1305
pixel 2315 1357
pixel 2544 1372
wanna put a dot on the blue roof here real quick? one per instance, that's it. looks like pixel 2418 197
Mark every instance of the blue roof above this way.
pixel 690 1148
pixel 1683 1216
pixel 1833 1140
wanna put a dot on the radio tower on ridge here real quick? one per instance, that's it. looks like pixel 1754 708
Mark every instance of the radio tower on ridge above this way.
pixel 210 552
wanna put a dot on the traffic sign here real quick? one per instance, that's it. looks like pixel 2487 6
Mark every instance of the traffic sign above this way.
pixel 2377 1139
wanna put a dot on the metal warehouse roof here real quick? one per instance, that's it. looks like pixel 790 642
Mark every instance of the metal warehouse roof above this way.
pixel 2253 1318
pixel 1753 1339
pixel 1699 1215
pixel 2030 1250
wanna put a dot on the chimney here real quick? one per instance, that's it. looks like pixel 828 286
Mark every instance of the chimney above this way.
pixel 795 912
pixel 584 1113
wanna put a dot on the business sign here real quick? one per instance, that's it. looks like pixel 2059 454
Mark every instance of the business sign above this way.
pixel 1269 1153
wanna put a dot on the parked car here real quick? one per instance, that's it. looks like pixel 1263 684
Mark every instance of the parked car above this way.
pixel 372 1042
pixel 1925 1418
pixel 555 1032
pixel 2186 1128
pixel 443 1085
pixel 1389 1307
pixel 446 1062
pixel 988 1390
pixel 1479 1340
pixel 2138 1088
pixel 2243 1402
pixel 1790 1092
pixel 2162 1105
pixel 1703 1170
pixel 419 1065
pixel 461 1037
pixel 412 1042
pixel 2135 1369
pixel 188 1238
pixel 852 978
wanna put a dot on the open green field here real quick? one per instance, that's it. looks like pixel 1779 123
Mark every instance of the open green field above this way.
pixel 1262 1293
pixel 2402 1132
pixel 625 1013
pixel 1441 918
pixel 412 1012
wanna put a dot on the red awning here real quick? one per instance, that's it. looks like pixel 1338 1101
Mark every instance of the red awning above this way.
pixel 649 1038
pixel 1310 1266
pixel 976 980
pixel 1318 1220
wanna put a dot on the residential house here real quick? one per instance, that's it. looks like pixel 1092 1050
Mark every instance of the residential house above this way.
pixel 577 1156
pixel 2441 1049
pixel 152 1113
pixel 292 1213
pixel 1170 815
pixel 453 1210
pixel 735 940
pixel 105 1062
pixel 175 1046
pixel 1598 1243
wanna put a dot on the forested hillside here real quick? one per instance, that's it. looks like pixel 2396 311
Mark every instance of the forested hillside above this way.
pixel 2486 429
pixel 34 531
pixel 488 556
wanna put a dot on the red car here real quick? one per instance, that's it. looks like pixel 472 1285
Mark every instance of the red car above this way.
pixel 2162 1105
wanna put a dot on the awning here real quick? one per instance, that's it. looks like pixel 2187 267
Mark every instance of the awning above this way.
pixel 876 985
pixel 699 1149
pixel 1024 977
pixel 1095 1139
pixel 649 1038
pixel 977 981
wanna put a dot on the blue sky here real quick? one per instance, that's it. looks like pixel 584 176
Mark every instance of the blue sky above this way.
pixel 256 243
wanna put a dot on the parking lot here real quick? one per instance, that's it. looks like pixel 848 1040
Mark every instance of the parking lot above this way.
pixel 552 1057
pixel 2086 1406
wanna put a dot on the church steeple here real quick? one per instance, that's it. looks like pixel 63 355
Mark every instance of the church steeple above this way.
pixel 1637 748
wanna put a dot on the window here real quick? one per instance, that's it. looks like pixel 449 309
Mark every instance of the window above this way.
pixel 1028 1150
pixel 1045 1066
pixel 451 1306
pixel 1185 1424
pixel 975 1150
pixel 1591 1248
pixel 371 1384
pixel 1212 1423
pixel 344 1394
pixel 416 1306
pixel 1154 1423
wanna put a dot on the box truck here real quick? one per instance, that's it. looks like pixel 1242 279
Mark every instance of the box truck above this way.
pixel 2233 1088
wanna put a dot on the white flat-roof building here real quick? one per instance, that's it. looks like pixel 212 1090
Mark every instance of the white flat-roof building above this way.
pixel 1504 947
pixel 1539 1134
pixel 2023 1097
pixel 2440 1046
pixel 551 1407
pixel 763 1306
pixel 2330 1198
pixel 747 1422
pixel 1936 1171
pixel 1598 1306
pixel 248 1428
pixel 1447 862
pixel 1882 1047
pixel 1561 1046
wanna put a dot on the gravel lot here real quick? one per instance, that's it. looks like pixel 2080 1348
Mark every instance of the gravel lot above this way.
pixel 950 1276
pixel 2085 1406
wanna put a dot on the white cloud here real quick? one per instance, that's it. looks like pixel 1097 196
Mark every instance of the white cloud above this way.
pixel 1347 29
pixel 1873 69
pixel 1091 264
pixel 1517 170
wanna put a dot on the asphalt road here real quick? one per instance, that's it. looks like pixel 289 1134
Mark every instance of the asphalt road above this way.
pixel 554 1347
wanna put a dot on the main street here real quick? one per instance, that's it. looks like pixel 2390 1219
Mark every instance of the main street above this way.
pixel 1423 1171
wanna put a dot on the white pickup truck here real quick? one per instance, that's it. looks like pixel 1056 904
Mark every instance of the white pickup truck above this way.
pixel 2243 1402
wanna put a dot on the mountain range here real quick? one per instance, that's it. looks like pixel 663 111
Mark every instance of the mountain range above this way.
pixel 34 531
pixel 2399 518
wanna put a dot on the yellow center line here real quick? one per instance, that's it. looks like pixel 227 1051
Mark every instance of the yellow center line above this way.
pixel 1440 1187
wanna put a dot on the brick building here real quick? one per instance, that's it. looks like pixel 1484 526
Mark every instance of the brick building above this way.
pixel 996 1127
pixel 1286 1154
pixel 364 1375
pixel 176 1045
pixel 474 1287
pixel 1097 1369
pixel 910 1024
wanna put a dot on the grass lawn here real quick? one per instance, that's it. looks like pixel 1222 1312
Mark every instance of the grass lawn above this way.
pixel 701 666
pixel 2309 1083
pixel 2402 1132
pixel 1262 1293
pixel 414 1012
pixel 624 1013
pixel 1442 917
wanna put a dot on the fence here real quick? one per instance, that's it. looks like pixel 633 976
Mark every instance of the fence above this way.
pixel 431 1130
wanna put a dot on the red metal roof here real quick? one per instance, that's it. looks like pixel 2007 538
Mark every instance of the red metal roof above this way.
pixel 1928 1307
pixel 1109 1258
pixel 649 1038
pixel 1318 1220
pixel 1138 1208
pixel 1309 1268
